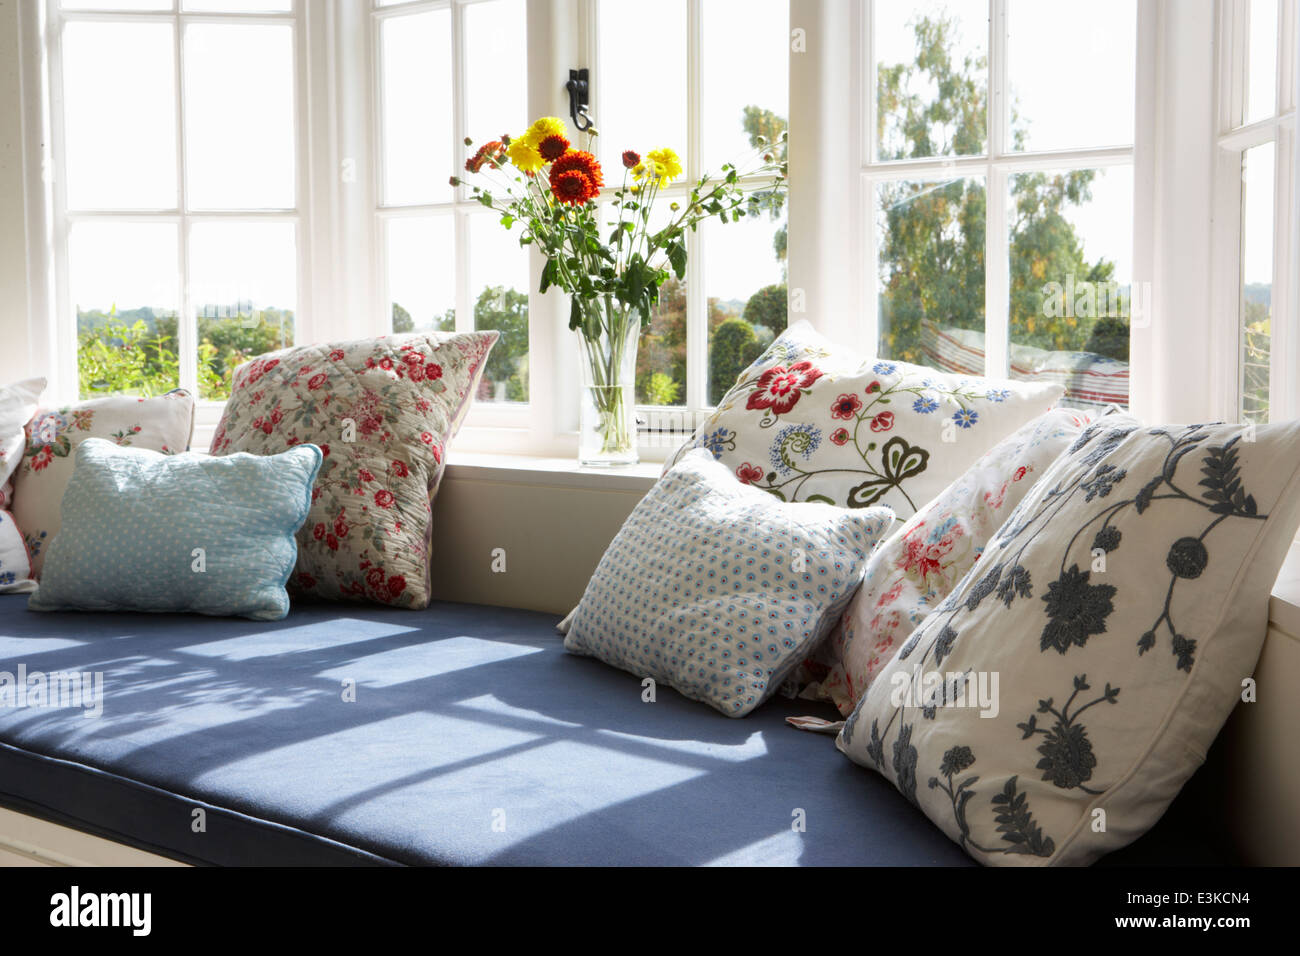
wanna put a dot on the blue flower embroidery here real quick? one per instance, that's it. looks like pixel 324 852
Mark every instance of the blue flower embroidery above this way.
pixel 716 442
pixel 793 440
pixel 884 368
pixel 998 394
pixel 966 418
pixel 925 405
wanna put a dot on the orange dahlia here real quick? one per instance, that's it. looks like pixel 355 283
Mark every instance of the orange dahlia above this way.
pixel 576 177
pixel 491 154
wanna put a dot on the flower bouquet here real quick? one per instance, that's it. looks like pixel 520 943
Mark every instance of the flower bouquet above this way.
pixel 601 249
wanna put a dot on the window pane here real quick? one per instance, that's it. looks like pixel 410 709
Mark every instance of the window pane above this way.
pixel 1072 294
pixel 238 6
pixel 1050 108
pixel 930 249
pixel 1256 279
pixel 642 82
pixel 239 116
pixel 1261 60
pixel 744 279
pixel 119 115
pixel 498 291
pixel 243 284
pixel 419 156
pixel 931 73
pixel 124 285
pixel 661 351
pixel 421 254
pixel 745 81
pixel 496 67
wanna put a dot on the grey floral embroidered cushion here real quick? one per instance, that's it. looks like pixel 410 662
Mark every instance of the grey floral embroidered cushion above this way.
pixel 811 421
pixel 1054 704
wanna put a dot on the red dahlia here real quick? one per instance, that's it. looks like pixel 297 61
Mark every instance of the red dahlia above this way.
pixel 553 147
pixel 631 158
pixel 576 177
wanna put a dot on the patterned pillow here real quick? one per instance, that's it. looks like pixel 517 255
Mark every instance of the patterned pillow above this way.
pixel 18 404
pixel 1054 704
pixel 163 424
pixel 922 561
pixel 718 590
pixel 382 411
pixel 144 531
pixel 810 421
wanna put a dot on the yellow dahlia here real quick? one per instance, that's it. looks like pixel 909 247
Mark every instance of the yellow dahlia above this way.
pixel 523 153
pixel 663 165
pixel 544 127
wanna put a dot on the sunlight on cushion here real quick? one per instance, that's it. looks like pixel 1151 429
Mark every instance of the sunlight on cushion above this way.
pixel 422 661
pixel 290 640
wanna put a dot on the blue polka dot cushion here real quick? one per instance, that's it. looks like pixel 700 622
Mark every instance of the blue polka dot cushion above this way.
pixel 719 590
pixel 143 531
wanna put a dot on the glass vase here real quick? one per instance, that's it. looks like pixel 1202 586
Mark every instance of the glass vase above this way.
pixel 608 340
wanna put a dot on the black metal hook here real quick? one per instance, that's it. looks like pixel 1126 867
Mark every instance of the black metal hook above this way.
pixel 579 89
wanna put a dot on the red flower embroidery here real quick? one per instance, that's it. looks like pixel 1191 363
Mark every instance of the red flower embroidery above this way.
pixel 336 355
pixel 846 406
pixel 433 371
pixel 375 577
pixel 396 585
pixel 749 474
pixel 882 422
pixel 840 436
pixel 400 469
pixel 365 475
pixel 873 388
pixel 340 527
pixel 384 498
pixel 779 388
pixel 1020 473
pixel 332 541
pixel 42 458
pixel 318 532
pixel 317 380
pixel 305 580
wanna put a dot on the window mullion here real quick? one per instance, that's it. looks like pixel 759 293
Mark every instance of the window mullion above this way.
pixel 464 319
pixel 187 317
pixel 997 293
pixel 697 305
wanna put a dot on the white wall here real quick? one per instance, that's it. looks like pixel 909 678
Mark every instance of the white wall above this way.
pixel 14 345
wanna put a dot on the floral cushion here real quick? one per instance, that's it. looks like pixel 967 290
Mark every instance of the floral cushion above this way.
pixel 163 424
pixel 382 411
pixel 1054 704
pixel 921 562
pixel 18 403
pixel 719 591
pixel 810 421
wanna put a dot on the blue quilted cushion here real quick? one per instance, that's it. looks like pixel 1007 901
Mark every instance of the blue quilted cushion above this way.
pixel 143 531
pixel 718 589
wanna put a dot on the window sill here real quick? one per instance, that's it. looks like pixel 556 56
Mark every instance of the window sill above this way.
pixel 552 472
pixel 1284 606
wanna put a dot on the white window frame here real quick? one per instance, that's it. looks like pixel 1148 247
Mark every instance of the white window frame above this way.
pixel 64 385
pixel 1233 139
pixel 996 166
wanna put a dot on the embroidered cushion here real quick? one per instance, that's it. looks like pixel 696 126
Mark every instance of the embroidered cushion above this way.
pixel 810 421
pixel 17 405
pixel 1054 704
pixel 163 424
pixel 719 590
pixel 382 411
pixel 143 531
pixel 921 562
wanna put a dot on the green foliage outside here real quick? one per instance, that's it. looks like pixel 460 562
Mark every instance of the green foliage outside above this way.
pixel 138 353
pixel 933 234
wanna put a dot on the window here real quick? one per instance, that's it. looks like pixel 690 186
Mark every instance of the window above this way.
pixel 448 71
pixel 707 80
pixel 178 172
pixel 1254 185
pixel 1001 189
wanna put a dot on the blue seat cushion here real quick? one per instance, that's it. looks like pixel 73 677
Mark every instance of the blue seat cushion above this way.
pixel 473 738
